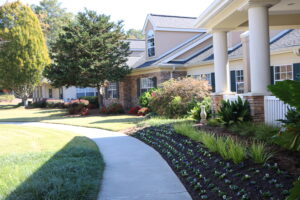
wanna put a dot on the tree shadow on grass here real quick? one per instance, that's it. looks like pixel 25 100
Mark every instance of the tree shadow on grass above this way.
pixel 49 110
pixel 118 120
pixel 72 173
pixel 4 107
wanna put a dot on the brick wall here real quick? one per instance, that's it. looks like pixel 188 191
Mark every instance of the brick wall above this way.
pixel 256 107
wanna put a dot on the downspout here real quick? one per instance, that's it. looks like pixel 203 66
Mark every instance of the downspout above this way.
pixel 171 73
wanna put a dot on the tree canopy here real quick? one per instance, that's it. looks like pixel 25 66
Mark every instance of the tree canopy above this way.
pixel 135 34
pixel 52 18
pixel 23 50
pixel 91 50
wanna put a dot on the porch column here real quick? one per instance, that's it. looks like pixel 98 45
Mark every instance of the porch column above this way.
pixel 221 65
pixel 259 48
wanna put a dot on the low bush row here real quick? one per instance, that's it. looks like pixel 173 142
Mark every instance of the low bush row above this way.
pixel 228 147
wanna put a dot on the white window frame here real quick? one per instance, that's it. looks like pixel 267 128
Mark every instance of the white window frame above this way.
pixel 150 37
pixel 112 90
pixel 239 74
pixel 203 77
pixel 275 73
pixel 85 91
pixel 146 84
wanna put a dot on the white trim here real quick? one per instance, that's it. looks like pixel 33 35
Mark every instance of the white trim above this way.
pixel 211 11
pixel 188 48
pixel 180 29
pixel 274 73
pixel 148 19
pixel 136 49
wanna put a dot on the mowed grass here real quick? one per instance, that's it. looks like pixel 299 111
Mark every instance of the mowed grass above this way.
pixel 38 163
pixel 60 116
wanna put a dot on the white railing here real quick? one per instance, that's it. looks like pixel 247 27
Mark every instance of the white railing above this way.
pixel 275 109
pixel 231 97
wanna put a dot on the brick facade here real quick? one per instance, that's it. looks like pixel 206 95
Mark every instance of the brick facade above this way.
pixel 216 102
pixel 257 107
pixel 128 87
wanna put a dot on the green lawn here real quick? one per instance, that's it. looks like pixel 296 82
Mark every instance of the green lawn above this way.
pixel 37 163
pixel 59 116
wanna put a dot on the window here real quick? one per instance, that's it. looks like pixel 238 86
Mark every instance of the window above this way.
pixel 150 43
pixel 284 72
pixel 50 93
pixel 146 84
pixel 206 77
pixel 82 92
pixel 61 93
pixel 239 77
pixel 112 91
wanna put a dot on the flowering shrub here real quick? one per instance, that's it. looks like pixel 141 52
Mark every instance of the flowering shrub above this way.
pixel 143 111
pixel 114 108
pixel 146 97
pixel 78 106
pixel 134 110
pixel 55 103
pixel 175 98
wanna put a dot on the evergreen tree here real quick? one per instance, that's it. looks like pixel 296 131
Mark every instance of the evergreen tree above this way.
pixel 91 51
pixel 52 18
pixel 23 52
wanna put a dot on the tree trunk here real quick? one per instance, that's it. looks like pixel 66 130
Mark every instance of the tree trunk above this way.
pixel 25 101
pixel 100 97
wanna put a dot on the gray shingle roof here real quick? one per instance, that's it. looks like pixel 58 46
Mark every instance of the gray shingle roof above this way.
pixel 168 21
pixel 136 44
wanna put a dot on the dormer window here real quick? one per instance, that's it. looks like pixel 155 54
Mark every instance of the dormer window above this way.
pixel 150 44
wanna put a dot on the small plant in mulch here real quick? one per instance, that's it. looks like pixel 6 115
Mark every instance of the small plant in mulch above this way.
pixel 207 175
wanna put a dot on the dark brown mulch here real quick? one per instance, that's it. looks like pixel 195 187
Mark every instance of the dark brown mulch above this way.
pixel 208 176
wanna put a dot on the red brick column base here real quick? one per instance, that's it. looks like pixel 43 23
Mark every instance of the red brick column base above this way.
pixel 256 107
pixel 216 102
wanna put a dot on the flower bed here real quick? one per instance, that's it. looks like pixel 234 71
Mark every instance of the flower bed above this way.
pixel 207 176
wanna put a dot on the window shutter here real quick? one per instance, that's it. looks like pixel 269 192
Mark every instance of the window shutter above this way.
pixel 138 87
pixel 106 92
pixel 213 83
pixel 296 71
pixel 272 75
pixel 118 89
pixel 154 79
pixel 232 81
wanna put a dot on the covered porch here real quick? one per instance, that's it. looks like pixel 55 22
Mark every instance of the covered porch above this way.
pixel 257 17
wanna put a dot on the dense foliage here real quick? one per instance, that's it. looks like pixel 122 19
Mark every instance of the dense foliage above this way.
pixel 196 110
pixel 146 97
pixel 6 97
pixel 175 98
pixel 78 106
pixel 52 18
pixel 114 108
pixel 23 54
pixel 234 112
pixel 135 34
pixel 93 101
pixel 90 52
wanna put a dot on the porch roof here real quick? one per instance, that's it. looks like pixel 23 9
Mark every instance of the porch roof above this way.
pixel 232 14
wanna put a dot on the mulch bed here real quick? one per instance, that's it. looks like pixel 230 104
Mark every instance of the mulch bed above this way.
pixel 287 160
pixel 207 175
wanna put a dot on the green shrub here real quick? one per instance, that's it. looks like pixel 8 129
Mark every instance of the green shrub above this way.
pixel 259 153
pixel 175 98
pixel 236 150
pixel 54 103
pixel 77 106
pixel 260 131
pixel 39 104
pixel 209 140
pixel 221 144
pixel 188 130
pixel 235 112
pixel 6 97
pixel 295 191
pixel 196 110
pixel 93 101
pixel 114 108
pixel 146 97
pixel 214 122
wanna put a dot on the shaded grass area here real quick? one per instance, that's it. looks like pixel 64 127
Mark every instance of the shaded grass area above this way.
pixel 59 116
pixel 38 163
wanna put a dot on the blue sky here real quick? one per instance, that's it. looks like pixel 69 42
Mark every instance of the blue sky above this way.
pixel 133 12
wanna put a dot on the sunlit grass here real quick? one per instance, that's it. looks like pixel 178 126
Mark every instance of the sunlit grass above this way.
pixel 38 163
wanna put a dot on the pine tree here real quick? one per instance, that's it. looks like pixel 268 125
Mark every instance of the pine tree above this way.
pixel 23 52
pixel 91 51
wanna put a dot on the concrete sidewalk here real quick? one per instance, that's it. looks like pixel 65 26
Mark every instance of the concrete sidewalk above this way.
pixel 133 170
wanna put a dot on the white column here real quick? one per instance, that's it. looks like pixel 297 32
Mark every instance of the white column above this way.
pixel 221 62
pixel 259 49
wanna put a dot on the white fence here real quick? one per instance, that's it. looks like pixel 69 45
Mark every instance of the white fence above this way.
pixel 275 109
pixel 231 97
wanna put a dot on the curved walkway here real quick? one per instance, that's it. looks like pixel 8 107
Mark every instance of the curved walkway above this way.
pixel 133 170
